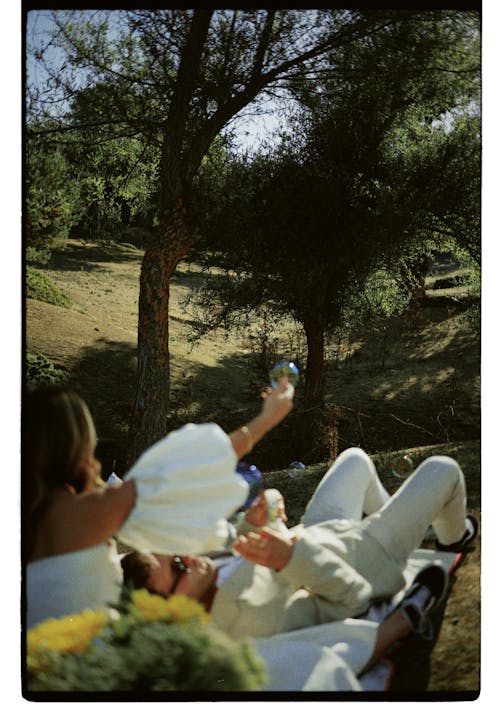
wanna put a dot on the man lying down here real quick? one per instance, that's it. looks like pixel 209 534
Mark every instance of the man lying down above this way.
pixel 305 592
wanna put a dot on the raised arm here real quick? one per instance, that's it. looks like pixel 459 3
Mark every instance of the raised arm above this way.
pixel 276 406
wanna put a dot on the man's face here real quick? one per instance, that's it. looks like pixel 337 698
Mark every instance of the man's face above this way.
pixel 194 584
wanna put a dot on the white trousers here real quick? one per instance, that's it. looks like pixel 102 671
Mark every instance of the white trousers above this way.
pixel 434 494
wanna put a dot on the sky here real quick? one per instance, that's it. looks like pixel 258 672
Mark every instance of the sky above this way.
pixel 250 131
pixel 11 194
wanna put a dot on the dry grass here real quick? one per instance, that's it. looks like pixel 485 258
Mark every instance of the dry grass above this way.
pixel 413 383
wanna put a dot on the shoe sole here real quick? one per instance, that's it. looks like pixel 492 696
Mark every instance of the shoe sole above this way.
pixel 463 543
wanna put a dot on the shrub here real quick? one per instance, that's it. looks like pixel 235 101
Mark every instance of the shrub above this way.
pixel 38 256
pixel 137 237
pixel 38 286
pixel 152 644
pixel 40 370
pixel 52 195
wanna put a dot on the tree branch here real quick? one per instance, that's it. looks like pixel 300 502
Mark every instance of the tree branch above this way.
pixel 80 126
pixel 241 99
pixel 187 75
pixel 263 45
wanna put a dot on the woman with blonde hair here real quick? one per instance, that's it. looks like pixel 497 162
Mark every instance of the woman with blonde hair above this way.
pixel 172 499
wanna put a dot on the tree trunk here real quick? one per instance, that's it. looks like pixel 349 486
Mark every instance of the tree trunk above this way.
pixel 149 421
pixel 315 369
pixel 419 268
pixel 314 323
pixel 308 423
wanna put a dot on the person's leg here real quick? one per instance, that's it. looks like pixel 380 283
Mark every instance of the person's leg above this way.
pixel 434 494
pixel 349 489
pixel 412 613
pixel 392 629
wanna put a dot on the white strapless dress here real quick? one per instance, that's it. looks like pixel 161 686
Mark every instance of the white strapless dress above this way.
pixel 71 582
pixel 187 485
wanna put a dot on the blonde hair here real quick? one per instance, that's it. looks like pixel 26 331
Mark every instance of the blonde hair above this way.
pixel 58 430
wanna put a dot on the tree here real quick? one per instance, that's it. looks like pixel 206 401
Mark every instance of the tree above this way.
pixel 367 175
pixel 52 196
pixel 118 173
pixel 446 161
pixel 194 71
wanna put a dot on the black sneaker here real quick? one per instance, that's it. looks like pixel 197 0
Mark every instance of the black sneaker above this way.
pixel 472 527
pixel 425 593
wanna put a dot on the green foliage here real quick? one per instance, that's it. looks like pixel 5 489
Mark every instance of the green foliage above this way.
pixel 438 170
pixel 156 657
pixel 140 652
pixel 174 80
pixel 379 297
pixel 38 256
pixel 40 371
pixel 337 221
pixel 52 196
pixel 40 287
pixel 117 185
pixel 471 316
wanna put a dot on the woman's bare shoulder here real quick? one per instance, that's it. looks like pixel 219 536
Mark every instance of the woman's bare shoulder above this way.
pixel 77 521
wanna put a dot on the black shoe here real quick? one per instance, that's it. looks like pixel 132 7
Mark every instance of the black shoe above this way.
pixel 472 527
pixel 425 593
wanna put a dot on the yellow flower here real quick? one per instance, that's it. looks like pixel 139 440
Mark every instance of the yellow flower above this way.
pixel 176 609
pixel 184 609
pixel 71 634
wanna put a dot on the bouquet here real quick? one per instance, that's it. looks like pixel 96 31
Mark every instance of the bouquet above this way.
pixel 144 643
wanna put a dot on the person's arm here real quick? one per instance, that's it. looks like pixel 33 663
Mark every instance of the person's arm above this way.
pixel 276 405
pixel 304 563
pixel 103 512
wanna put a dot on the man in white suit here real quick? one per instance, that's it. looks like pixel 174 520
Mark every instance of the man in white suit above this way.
pixel 348 552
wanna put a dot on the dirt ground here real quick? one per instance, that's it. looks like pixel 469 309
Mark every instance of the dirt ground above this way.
pixel 96 340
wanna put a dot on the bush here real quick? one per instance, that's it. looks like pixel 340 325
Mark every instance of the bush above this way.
pixel 38 256
pixel 40 370
pixel 153 644
pixel 52 196
pixel 138 237
pixel 38 286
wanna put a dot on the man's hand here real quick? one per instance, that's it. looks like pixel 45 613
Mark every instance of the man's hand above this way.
pixel 257 513
pixel 265 547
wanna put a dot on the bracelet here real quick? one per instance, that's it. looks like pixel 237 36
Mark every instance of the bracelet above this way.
pixel 245 430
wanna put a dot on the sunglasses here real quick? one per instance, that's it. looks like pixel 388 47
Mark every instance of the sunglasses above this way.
pixel 179 568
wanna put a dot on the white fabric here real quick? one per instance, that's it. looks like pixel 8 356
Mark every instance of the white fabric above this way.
pixel 329 657
pixel 318 658
pixel 345 561
pixel 186 484
pixel 434 494
pixel 349 489
pixel 71 582
pixel 226 567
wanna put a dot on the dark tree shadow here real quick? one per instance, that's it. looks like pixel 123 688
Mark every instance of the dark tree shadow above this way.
pixel 105 377
pixel 77 258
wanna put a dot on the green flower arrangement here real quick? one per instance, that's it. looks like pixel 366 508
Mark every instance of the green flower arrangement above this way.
pixel 145 643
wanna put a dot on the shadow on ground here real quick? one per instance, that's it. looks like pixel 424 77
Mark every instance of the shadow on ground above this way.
pixel 86 257
pixel 105 377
